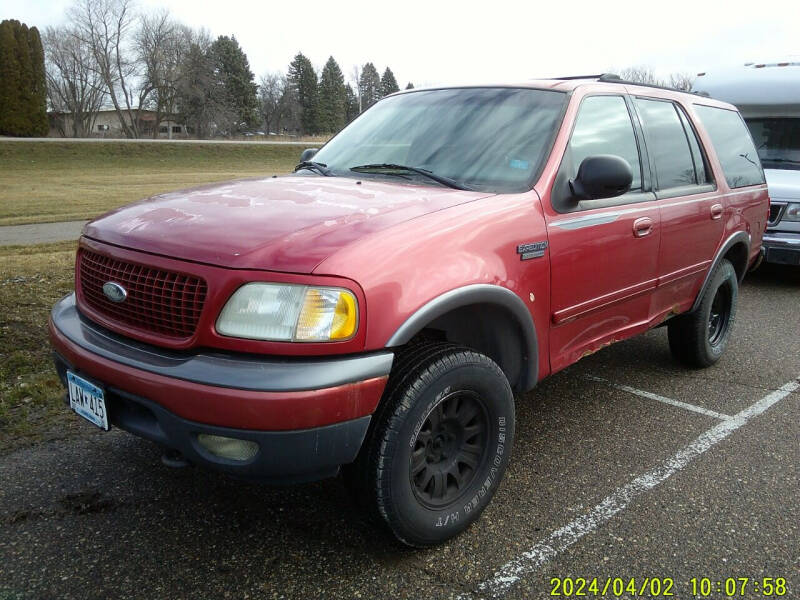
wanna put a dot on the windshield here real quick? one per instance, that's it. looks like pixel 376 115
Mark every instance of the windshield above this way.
pixel 489 139
pixel 777 141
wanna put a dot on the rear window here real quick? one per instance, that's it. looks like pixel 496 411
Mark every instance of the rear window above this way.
pixel 733 144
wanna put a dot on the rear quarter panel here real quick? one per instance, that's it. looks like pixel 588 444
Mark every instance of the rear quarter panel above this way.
pixel 746 209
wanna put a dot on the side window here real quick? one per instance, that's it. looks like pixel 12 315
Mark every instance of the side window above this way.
pixel 697 154
pixel 733 145
pixel 603 126
pixel 667 143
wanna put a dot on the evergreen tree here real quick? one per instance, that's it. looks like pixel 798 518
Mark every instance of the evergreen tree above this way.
pixel 9 78
pixel 303 81
pixel 351 103
pixel 388 83
pixel 37 106
pixel 332 98
pixel 369 84
pixel 410 86
pixel 23 104
pixel 201 98
pixel 233 70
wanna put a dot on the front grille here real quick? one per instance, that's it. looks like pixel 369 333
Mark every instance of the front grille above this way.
pixel 158 301
pixel 775 213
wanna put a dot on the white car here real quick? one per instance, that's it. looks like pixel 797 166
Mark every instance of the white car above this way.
pixel 768 96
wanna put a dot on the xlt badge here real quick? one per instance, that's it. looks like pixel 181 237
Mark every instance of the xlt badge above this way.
pixel 532 250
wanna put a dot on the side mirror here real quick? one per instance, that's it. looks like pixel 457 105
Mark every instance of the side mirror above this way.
pixel 601 176
pixel 308 154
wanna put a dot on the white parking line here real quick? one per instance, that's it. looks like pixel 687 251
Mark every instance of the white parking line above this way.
pixel 670 401
pixel 562 538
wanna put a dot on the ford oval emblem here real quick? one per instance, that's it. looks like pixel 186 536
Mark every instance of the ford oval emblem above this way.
pixel 114 291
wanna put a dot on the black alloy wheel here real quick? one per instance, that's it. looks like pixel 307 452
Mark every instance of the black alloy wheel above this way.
pixel 438 444
pixel 448 449
pixel 719 316
pixel 699 338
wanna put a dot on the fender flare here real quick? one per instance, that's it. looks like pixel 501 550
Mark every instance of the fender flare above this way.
pixel 477 294
pixel 736 238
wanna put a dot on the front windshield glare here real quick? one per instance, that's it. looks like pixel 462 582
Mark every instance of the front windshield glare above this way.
pixel 490 139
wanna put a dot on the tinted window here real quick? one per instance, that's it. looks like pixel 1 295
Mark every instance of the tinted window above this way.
pixel 667 143
pixel 604 126
pixel 493 139
pixel 777 142
pixel 733 145
pixel 697 154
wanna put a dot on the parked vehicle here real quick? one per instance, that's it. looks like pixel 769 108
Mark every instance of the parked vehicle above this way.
pixel 768 96
pixel 377 310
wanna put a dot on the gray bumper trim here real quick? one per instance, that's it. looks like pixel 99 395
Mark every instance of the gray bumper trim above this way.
pixel 246 372
pixel 787 241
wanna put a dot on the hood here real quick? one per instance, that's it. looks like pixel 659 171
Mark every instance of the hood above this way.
pixel 282 224
pixel 783 184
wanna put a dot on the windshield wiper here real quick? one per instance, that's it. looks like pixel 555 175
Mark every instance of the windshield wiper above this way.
pixel 451 183
pixel 320 168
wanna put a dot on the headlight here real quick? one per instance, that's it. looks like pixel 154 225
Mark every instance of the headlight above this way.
pixel 792 212
pixel 286 313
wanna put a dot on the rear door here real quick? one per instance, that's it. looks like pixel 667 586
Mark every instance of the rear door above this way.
pixel 603 253
pixel 691 209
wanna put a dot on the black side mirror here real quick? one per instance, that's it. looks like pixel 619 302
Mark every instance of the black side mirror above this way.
pixel 602 176
pixel 308 154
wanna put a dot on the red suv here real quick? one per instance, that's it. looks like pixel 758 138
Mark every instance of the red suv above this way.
pixel 377 310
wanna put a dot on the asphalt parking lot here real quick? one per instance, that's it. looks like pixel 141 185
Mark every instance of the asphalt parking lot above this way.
pixel 625 465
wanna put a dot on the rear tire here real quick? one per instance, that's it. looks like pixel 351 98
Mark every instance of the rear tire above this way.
pixel 698 339
pixel 438 445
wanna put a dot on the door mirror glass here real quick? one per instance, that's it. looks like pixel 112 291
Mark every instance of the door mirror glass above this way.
pixel 308 154
pixel 601 176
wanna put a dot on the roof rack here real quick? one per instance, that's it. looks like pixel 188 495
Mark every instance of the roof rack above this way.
pixel 614 78
pixel 571 77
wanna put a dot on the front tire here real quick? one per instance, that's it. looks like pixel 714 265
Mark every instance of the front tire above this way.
pixel 698 339
pixel 439 444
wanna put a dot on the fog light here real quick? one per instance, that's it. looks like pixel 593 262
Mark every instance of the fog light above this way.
pixel 226 447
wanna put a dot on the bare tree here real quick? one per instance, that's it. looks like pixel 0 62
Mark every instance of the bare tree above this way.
pixel 274 101
pixel 161 45
pixel 645 74
pixel 640 74
pixel 74 86
pixel 681 81
pixel 355 75
pixel 106 26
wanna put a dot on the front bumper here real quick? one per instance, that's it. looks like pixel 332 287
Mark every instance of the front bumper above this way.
pixel 309 416
pixel 782 247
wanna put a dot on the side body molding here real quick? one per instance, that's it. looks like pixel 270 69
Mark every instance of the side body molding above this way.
pixel 736 238
pixel 477 294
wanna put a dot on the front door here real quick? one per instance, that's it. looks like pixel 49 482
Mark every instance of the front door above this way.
pixel 604 253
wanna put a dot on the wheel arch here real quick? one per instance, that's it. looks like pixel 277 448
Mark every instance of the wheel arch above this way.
pixel 736 248
pixel 491 319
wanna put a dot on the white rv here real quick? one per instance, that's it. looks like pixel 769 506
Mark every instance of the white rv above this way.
pixel 768 96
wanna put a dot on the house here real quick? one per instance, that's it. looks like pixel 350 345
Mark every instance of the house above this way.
pixel 106 124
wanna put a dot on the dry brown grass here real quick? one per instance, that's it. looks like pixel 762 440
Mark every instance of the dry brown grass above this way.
pixel 43 182
pixel 32 278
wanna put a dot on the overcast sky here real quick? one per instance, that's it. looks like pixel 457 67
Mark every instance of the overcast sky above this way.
pixel 438 41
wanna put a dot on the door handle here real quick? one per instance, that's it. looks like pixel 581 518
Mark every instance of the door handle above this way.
pixel 716 211
pixel 642 226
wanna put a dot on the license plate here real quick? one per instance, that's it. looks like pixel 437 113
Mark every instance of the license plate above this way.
pixel 88 400
pixel 783 257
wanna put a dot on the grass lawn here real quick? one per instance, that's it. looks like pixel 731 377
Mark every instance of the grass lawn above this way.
pixel 42 182
pixel 32 278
